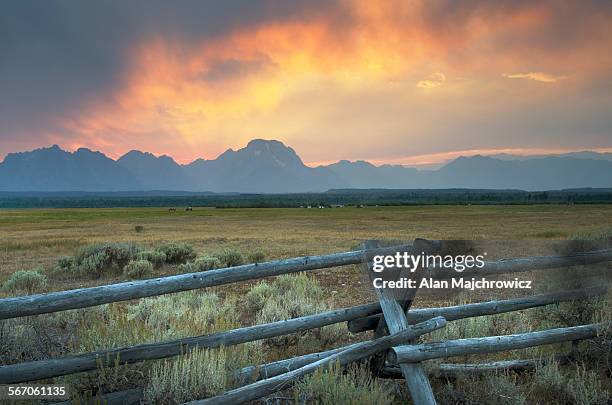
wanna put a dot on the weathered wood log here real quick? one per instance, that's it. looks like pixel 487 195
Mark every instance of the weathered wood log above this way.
pixel 452 370
pixel 251 374
pixel 87 297
pixel 36 370
pixel 491 344
pixel 127 397
pixel 356 352
pixel 524 264
pixel 395 319
pixel 91 296
pixel 455 312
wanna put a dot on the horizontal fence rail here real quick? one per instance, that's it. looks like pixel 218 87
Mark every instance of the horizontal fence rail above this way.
pixel 524 264
pixel 451 370
pixel 255 373
pixel 36 370
pixel 356 352
pixel 492 344
pixel 92 296
pixel 483 308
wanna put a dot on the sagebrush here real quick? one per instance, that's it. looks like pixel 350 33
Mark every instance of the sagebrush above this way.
pixel 26 281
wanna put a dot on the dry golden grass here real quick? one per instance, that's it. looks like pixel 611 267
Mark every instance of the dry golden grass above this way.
pixel 39 237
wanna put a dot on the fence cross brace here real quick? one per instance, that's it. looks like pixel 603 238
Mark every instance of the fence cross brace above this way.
pixel 394 320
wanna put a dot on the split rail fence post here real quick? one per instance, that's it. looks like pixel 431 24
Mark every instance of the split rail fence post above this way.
pixel 394 315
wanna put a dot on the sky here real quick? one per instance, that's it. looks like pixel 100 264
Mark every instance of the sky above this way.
pixel 404 82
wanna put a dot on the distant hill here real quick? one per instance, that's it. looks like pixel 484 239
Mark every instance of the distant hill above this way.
pixel 268 166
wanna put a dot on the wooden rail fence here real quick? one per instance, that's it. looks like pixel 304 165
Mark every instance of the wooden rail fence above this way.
pixel 395 324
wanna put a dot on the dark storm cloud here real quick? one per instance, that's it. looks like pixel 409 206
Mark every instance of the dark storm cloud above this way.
pixel 568 23
pixel 232 68
pixel 54 55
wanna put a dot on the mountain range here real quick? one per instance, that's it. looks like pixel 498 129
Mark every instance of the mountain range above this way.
pixel 269 166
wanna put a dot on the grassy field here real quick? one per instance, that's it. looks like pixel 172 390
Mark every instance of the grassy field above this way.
pixel 39 237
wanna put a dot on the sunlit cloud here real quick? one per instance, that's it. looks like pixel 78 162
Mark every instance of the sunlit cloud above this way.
pixel 434 80
pixel 537 76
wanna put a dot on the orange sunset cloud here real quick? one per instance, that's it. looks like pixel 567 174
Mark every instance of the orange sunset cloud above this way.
pixel 537 76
